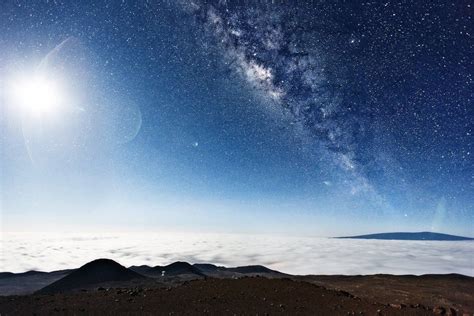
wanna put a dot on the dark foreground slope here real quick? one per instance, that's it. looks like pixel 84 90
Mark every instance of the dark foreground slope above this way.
pixel 245 296
pixel 94 272
pixel 449 291
pixel 104 286
pixel 410 236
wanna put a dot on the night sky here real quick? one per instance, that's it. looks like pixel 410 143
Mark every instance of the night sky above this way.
pixel 321 117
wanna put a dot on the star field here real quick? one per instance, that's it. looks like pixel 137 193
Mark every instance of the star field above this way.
pixel 324 111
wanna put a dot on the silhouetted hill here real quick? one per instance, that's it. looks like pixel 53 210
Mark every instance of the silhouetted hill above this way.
pixel 4 275
pixel 173 269
pixel 94 272
pixel 251 269
pixel 211 269
pixel 28 282
pixel 200 269
pixel 143 269
pixel 206 267
pixel 410 236
pixel 176 268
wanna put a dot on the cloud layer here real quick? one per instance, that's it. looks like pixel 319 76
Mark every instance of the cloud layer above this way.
pixel 296 255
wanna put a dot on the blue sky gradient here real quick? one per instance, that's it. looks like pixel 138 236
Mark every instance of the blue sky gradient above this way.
pixel 318 119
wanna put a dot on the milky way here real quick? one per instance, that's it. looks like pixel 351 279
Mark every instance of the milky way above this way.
pixel 361 80
pixel 271 52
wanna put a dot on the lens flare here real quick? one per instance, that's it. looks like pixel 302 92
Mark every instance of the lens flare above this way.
pixel 37 94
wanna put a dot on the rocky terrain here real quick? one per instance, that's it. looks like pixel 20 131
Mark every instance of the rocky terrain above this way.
pixel 105 287
pixel 244 296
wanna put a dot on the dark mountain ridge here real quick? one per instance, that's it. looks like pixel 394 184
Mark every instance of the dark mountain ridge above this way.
pixel 102 272
pixel 199 269
pixel 173 269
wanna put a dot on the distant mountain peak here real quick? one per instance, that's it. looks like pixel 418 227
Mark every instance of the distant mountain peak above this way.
pixel 410 236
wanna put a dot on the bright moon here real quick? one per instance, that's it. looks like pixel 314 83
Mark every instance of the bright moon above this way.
pixel 37 94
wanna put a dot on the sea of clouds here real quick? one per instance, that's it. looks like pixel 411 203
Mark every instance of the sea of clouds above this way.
pixel 296 255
